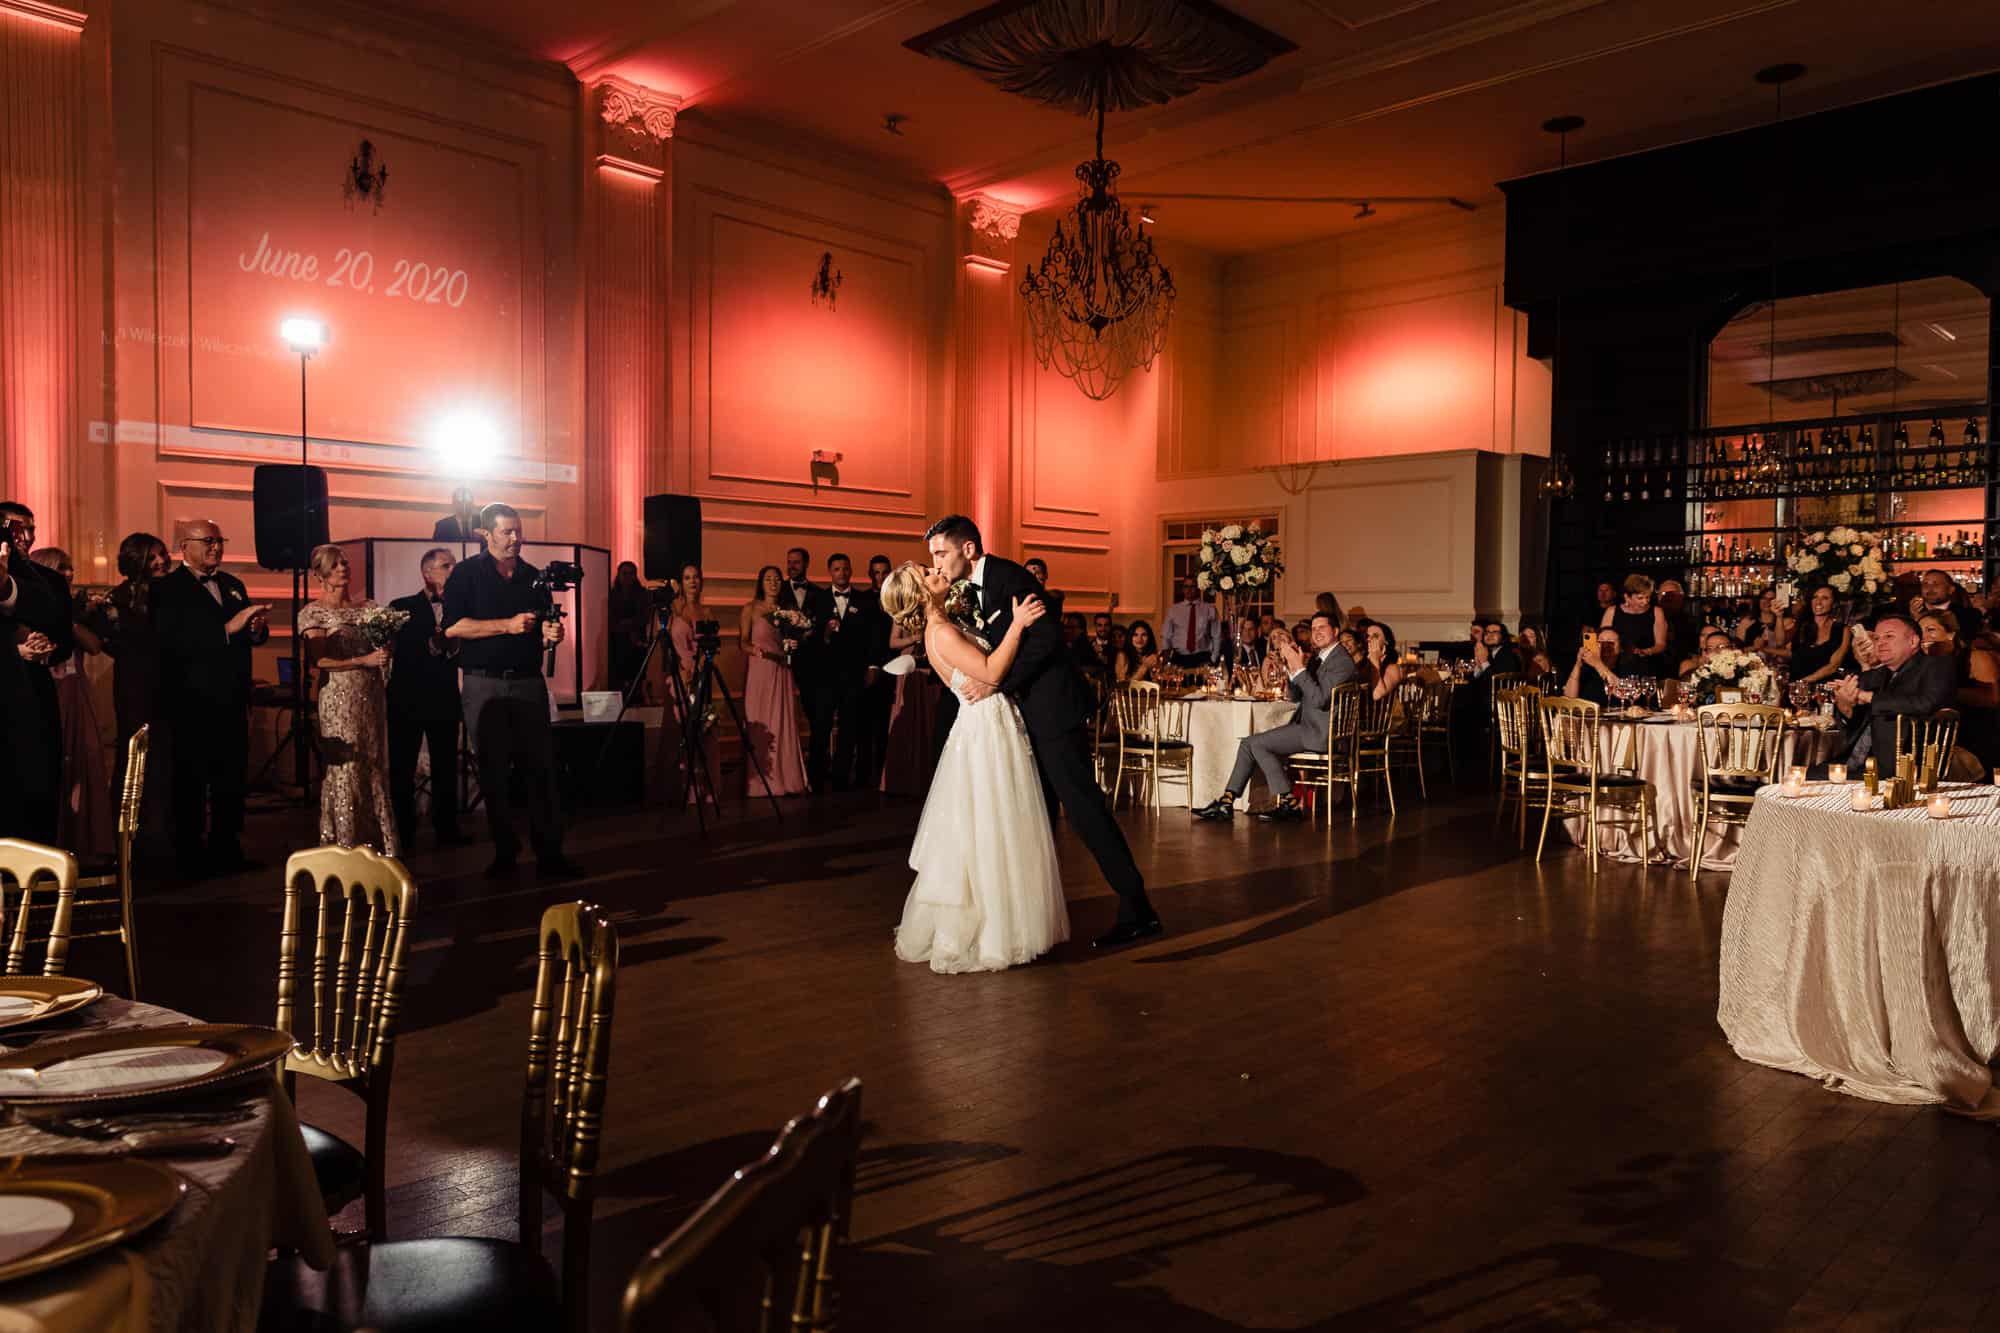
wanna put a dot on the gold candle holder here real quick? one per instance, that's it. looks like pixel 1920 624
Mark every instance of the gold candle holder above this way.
pixel 1871 775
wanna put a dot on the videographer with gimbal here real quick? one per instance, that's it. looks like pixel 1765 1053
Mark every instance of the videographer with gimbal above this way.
pixel 499 611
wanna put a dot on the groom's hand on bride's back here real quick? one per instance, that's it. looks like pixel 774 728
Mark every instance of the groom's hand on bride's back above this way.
pixel 1027 610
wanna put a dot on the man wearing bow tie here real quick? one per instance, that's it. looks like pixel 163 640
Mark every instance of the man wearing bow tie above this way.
pixel 424 706
pixel 848 656
pixel 207 627
pixel 1312 683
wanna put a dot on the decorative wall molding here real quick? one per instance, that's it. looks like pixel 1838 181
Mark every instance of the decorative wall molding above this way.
pixel 989 228
pixel 637 110
pixel 54 15
pixel 995 218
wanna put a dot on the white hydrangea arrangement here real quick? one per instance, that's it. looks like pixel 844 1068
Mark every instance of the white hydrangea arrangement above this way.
pixel 1732 669
pixel 1237 559
pixel 1849 562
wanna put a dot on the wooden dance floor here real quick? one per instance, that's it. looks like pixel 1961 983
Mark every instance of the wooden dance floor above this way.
pixel 1392 1078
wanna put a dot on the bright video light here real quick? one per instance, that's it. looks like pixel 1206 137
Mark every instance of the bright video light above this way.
pixel 304 335
pixel 467 443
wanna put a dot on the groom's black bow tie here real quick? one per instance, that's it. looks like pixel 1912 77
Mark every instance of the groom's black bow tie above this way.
pixel 205 578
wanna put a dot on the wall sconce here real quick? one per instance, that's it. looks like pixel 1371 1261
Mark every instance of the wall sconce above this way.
pixel 365 176
pixel 826 282
pixel 825 467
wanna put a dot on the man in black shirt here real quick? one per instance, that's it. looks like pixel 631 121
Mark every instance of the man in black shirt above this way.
pixel 424 706
pixel 1904 682
pixel 493 612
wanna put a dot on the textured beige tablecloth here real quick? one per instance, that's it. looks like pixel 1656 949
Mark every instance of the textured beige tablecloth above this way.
pixel 1864 949
pixel 1665 755
pixel 201 1268
pixel 1214 728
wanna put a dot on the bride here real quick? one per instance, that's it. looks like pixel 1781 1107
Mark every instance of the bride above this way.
pixel 989 892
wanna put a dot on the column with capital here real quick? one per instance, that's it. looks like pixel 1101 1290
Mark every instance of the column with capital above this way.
pixel 628 231
pixel 983 432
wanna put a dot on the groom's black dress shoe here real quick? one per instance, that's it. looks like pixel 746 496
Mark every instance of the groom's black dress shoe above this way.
pixel 1281 812
pixel 1126 932
pixel 1222 809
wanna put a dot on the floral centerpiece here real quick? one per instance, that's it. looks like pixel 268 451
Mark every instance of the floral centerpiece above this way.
pixel 1237 559
pixel 1849 562
pixel 380 624
pixel 1732 669
pixel 792 627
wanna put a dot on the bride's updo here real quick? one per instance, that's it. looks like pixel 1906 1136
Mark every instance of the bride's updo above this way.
pixel 904 597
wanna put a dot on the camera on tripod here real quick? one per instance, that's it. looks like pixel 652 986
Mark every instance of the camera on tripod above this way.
pixel 708 636
pixel 554 577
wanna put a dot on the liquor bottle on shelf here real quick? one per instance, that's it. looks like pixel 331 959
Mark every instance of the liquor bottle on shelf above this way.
pixel 1899 456
pixel 1607 476
pixel 1974 453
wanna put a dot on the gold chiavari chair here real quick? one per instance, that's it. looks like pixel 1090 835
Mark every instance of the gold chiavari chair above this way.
pixel 1572 771
pixel 27 865
pixel 771 1229
pixel 1929 739
pixel 1516 716
pixel 1437 721
pixel 89 897
pixel 1153 738
pixel 448 1284
pixel 1738 748
pixel 355 907
pixel 1374 725
pixel 1335 768
pixel 1107 737
pixel 1414 700
pixel 1493 682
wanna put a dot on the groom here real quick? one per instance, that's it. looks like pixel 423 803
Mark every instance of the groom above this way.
pixel 1054 701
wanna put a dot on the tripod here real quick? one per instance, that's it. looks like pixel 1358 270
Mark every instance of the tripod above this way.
pixel 692 702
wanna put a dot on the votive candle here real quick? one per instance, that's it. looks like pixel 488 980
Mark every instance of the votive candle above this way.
pixel 1836 772
pixel 1861 799
pixel 1940 806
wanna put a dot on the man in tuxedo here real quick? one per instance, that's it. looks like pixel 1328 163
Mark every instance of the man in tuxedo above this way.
pixel 850 644
pixel 207 627
pixel 1904 682
pixel 879 694
pixel 1054 702
pixel 1191 633
pixel 424 706
pixel 35 634
pixel 1312 684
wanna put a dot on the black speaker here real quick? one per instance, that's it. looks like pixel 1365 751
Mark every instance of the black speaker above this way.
pixel 673 535
pixel 291 513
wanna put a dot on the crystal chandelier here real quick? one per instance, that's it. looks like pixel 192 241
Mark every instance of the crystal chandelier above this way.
pixel 1099 305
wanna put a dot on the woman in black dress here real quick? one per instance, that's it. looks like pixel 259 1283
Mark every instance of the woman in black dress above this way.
pixel 1642 630
pixel 125 625
pixel 1978 698
pixel 1819 640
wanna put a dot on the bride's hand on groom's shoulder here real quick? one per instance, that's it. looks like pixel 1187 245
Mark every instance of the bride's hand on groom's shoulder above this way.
pixel 1027 610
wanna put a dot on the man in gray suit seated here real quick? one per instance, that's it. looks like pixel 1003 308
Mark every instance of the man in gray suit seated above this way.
pixel 1312 686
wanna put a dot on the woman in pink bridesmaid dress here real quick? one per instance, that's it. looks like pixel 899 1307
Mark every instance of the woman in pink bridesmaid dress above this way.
pixel 688 609
pixel 770 702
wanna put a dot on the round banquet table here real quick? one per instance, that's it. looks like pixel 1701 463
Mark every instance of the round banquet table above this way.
pixel 200 1269
pixel 1215 725
pixel 1666 754
pixel 1863 950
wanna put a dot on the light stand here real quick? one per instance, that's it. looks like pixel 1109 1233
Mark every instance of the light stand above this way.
pixel 305 336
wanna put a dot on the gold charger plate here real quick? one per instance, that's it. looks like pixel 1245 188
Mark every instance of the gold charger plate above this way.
pixel 26 1000
pixel 106 1200
pixel 158 1062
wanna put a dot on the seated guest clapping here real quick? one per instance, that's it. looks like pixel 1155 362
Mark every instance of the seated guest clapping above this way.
pixel 1903 683
pixel 1312 683
pixel 1713 640
pixel 1141 653
pixel 1382 670
pixel 1596 666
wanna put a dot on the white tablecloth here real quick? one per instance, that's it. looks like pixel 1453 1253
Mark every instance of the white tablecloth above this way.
pixel 1214 728
pixel 1666 755
pixel 200 1269
pixel 1864 949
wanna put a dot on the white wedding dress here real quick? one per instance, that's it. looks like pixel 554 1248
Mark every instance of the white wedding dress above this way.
pixel 989 891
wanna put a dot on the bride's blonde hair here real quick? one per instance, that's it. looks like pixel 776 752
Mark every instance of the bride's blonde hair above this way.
pixel 904 597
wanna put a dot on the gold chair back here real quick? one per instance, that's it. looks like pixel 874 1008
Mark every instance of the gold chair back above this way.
pixel 357 907
pixel 1930 739
pixel 131 797
pixel 34 869
pixel 569 1060
pixel 1739 741
pixel 1569 736
pixel 1516 724
pixel 771 1229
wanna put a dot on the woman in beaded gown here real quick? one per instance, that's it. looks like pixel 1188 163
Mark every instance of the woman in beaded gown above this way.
pixel 354 804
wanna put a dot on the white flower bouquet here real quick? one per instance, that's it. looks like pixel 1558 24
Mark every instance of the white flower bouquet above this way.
pixel 961 604
pixel 1237 559
pixel 1732 669
pixel 1851 563
pixel 380 624
pixel 792 626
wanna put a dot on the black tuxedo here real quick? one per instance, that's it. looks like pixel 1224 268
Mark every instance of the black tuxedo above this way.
pixel 835 676
pixel 30 789
pixel 1923 686
pixel 423 706
pixel 205 698
pixel 1055 701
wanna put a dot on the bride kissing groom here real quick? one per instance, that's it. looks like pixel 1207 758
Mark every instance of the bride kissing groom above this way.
pixel 988 893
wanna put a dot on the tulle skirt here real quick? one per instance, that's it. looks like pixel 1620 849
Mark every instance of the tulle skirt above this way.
pixel 988 893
